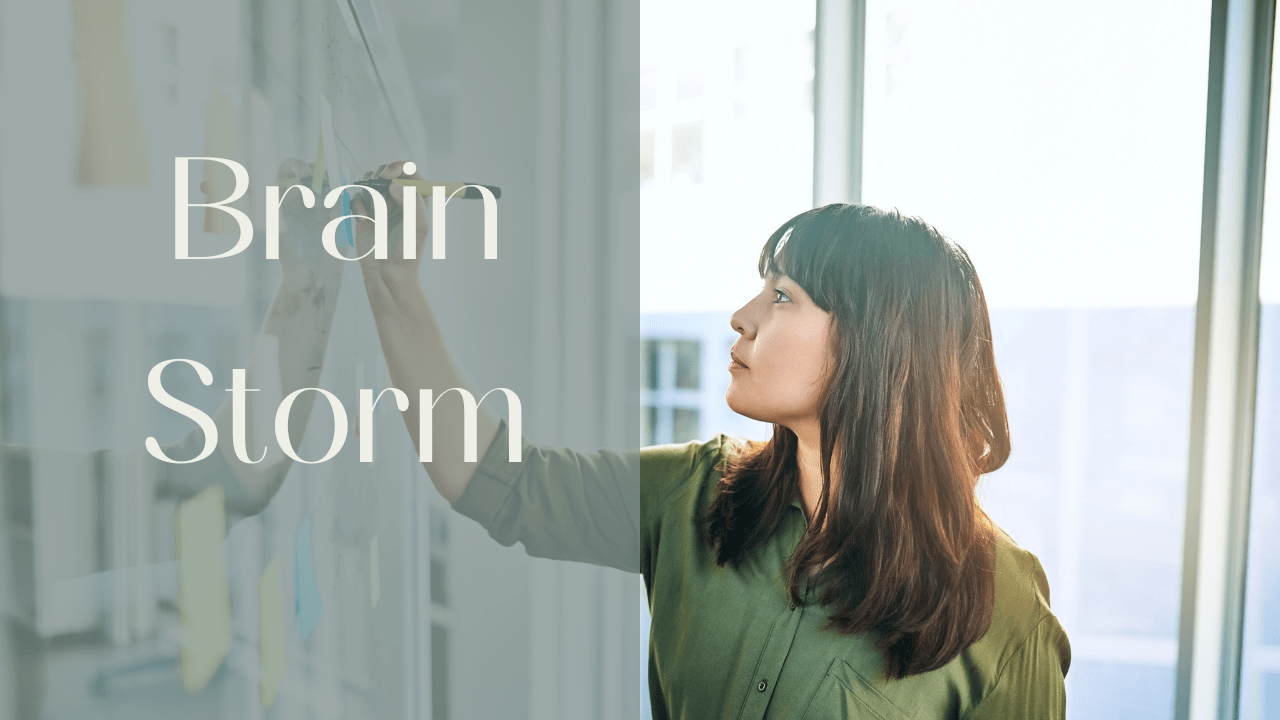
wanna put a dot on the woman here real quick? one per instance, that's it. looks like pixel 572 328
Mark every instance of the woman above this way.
pixel 844 568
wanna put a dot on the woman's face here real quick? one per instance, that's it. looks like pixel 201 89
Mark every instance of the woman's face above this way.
pixel 781 358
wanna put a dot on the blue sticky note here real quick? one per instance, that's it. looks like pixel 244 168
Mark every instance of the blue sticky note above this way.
pixel 309 606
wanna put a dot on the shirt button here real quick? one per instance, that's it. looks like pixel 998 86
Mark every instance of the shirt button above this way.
pixel 762 686
pixel 793 606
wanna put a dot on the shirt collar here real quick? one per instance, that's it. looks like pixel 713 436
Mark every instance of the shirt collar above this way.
pixel 804 519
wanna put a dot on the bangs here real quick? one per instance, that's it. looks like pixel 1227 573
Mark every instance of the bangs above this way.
pixel 803 249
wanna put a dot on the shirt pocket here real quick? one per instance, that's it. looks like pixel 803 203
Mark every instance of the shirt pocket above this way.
pixel 846 694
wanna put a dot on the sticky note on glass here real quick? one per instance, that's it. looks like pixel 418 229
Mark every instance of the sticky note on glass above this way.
pixel 271 631
pixel 309 607
pixel 204 599
pixel 375 581
pixel 113 146
pixel 326 150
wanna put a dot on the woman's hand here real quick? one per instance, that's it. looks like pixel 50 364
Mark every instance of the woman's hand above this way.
pixel 304 263
pixel 413 345
pixel 395 268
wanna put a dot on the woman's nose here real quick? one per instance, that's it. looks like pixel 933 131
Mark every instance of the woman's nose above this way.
pixel 741 323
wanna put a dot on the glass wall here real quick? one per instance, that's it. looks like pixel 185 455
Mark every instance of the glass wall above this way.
pixel 145 589
pixel 341 585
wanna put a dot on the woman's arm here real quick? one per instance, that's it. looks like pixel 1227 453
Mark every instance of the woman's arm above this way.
pixel 416 354
pixel 558 503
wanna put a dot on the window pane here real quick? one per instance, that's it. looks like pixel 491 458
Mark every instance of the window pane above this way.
pixel 650 425
pixel 686 152
pixel 688 357
pixel 652 363
pixel 1073 179
pixel 1260 669
pixel 685 424
pixel 726 90
pixel 1260 675
pixel 646 155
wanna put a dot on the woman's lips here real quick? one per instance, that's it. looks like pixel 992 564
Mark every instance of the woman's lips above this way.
pixel 735 363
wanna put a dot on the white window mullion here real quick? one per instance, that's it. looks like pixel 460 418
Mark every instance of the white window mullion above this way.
pixel 1225 369
pixel 839 71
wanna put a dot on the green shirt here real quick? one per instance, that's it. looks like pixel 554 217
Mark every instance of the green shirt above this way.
pixel 727 643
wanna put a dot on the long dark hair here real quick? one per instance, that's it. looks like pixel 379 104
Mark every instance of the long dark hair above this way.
pixel 912 414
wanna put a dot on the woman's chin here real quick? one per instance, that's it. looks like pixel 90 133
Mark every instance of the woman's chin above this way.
pixel 740 408
pixel 730 399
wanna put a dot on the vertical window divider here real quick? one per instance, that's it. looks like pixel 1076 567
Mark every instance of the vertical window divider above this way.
pixel 839 67
pixel 1224 374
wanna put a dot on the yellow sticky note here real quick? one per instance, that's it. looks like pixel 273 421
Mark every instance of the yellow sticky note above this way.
pixel 271 631
pixel 204 598
pixel 113 146
pixel 375 581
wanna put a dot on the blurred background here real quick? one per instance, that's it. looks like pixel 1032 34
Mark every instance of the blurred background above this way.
pixel 1063 146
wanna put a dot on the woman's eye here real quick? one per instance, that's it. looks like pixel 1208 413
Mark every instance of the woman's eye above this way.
pixel 780 296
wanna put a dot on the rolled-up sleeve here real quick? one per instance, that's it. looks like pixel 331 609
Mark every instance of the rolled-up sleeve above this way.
pixel 559 503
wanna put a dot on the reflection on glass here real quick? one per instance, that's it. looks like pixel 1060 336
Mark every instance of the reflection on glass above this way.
pixel 1073 180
